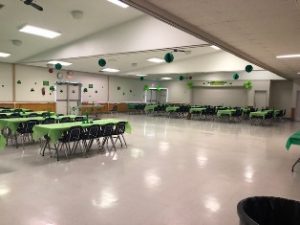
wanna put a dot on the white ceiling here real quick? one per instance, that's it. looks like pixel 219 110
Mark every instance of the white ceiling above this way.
pixel 124 62
pixel 254 30
pixel 98 15
pixel 104 27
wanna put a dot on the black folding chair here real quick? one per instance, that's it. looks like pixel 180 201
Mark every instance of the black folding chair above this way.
pixel 106 133
pixel 91 134
pixel 65 120
pixel 3 116
pixel 25 130
pixel 15 115
pixel 79 118
pixel 33 115
pixel 69 141
pixel 118 133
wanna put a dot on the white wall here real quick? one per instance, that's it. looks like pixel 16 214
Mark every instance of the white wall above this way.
pixel 259 85
pixel 6 93
pixel 136 86
pixel 178 92
pixel 228 96
pixel 281 95
pixel 33 77
pixel 104 87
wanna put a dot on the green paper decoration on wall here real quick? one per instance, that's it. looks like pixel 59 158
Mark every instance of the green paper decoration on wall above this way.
pixel 190 84
pixel 52 88
pixel 58 66
pixel 142 78
pixel 181 77
pixel 169 57
pixel 73 91
pixel 247 84
pixel 96 92
pixel 146 87
pixel 85 90
pixel 118 88
pixel 32 90
pixel 235 76
pixel 190 77
pixel 91 85
pixel 19 82
pixel 61 91
pixel 101 62
pixel 45 83
pixel 249 68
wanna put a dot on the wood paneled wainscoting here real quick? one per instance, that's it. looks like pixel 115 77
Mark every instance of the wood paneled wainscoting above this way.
pixel 45 106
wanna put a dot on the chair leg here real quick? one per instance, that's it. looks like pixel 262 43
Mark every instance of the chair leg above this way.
pixel 124 140
pixel 293 167
pixel 113 143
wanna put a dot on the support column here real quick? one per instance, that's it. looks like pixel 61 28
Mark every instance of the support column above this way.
pixel 14 83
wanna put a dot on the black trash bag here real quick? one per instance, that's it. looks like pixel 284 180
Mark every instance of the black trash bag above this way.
pixel 268 211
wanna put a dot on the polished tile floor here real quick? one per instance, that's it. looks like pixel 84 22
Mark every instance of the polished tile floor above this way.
pixel 174 172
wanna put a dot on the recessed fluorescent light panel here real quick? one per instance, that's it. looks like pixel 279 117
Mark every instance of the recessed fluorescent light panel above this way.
pixel 60 62
pixel 215 47
pixel 155 60
pixel 39 31
pixel 141 75
pixel 166 78
pixel 298 73
pixel 110 70
pixel 4 54
pixel 288 56
pixel 119 3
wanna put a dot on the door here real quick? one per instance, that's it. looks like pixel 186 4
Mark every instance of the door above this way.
pixel 260 99
pixel 68 96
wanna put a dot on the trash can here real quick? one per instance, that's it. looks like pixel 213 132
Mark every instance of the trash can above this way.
pixel 268 211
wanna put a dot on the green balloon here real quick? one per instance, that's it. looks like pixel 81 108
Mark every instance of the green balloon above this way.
pixel 142 78
pixel 101 62
pixel 235 76
pixel 58 66
pixel 249 68
pixel 181 77
pixel 146 87
pixel 169 57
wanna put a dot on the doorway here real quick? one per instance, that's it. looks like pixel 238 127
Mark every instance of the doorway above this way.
pixel 260 99
pixel 154 96
pixel 68 96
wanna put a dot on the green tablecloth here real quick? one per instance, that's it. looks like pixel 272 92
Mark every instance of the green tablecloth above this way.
pixel 225 112
pixel 2 142
pixel 200 109
pixel 54 131
pixel 172 108
pixel 150 108
pixel 294 139
pixel 13 123
pixel 260 114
